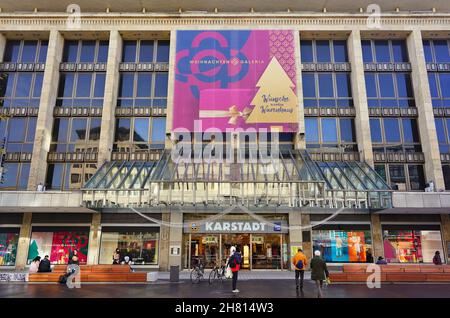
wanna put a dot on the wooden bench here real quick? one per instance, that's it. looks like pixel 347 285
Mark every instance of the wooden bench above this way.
pixel 394 273
pixel 93 273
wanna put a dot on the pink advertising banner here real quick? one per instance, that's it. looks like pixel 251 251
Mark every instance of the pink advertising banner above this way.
pixel 235 79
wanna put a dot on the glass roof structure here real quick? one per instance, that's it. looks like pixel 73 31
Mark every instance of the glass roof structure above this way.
pixel 288 179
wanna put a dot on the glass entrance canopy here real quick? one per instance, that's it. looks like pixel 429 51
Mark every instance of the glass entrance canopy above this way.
pixel 290 179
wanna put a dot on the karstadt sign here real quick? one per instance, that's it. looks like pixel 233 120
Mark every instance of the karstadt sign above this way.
pixel 236 226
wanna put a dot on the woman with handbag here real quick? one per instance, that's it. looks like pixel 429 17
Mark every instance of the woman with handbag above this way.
pixel 235 262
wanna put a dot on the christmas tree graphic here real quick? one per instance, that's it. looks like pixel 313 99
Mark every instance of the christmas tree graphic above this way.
pixel 275 101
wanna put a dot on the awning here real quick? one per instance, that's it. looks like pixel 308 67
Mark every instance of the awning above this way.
pixel 289 178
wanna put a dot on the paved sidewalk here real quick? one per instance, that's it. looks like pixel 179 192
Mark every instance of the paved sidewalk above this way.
pixel 243 275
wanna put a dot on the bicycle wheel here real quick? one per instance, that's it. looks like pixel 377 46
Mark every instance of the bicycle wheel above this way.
pixel 212 276
pixel 195 276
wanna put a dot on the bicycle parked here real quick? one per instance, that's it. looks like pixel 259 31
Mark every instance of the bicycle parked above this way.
pixel 197 272
pixel 218 274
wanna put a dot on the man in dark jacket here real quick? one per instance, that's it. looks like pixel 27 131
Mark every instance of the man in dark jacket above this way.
pixel 44 265
pixel 319 271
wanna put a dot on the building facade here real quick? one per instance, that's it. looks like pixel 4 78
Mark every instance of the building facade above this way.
pixel 353 103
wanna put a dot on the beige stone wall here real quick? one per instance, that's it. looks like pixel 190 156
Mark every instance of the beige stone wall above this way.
pixel 95 234
pixel 445 227
pixel 164 243
pixel 377 236
pixel 24 241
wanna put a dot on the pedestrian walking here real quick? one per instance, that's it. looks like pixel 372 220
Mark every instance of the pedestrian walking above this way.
pixel 437 258
pixel 319 272
pixel 299 261
pixel 235 262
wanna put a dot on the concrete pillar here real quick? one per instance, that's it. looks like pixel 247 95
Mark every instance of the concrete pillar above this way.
pixel 307 243
pixel 24 241
pixel 171 86
pixel 2 46
pixel 427 127
pixel 94 239
pixel 295 233
pixel 43 136
pixel 445 227
pixel 377 236
pixel 175 237
pixel 110 97
pixel 164 243
pixel 300 138
pixel 362 123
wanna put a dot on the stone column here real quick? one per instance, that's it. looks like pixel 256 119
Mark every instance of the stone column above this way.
pixel 445 227
pixel 300 138
pixel 427 127
pixel 24 241
pixel 110 97
pixel 377 236
pixel 164 243
pixel 362 123
pixel 295 232
pixel 171 86
pixel 95 234
pixel 43 136
pixel 307 244
pixel 175 237
pixel 2 46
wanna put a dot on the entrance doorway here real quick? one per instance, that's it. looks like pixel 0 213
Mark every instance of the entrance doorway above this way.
pixel 242 243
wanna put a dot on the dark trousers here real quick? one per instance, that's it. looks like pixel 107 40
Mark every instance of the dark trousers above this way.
pixel 302 275
pixel 235 278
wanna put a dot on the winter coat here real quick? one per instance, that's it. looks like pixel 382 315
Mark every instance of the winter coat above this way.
pixel 44 266
pixel 319 270
pixel 299 257
pixel 437 260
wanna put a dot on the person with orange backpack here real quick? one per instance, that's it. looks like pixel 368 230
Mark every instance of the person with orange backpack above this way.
pixel 235 262
pixel 299 261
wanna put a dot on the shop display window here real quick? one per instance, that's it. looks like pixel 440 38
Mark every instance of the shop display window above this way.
pixel 9 238
pixel 59 243
pixel 266 251
pixel 411 246
pixel 343 246
pixel 141 245
pixel 205 248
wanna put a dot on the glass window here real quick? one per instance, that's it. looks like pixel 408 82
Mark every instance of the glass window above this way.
pixel 399 51
pixel 139 244
pixel 309 85
pixel 60 128
pixel 9 176
pixel 123 129
pixel 323 51
pixel 70 51
pixel 99 88
pixel 444 79
pixel 382 51
pixel 141 127
pixel 29 51
pixel 344 88
pixel 306 48
pixel 78 129
pixel 329 130
pixel 375 130
pixel 367 51
pixel 398 178
pixel 326 85
pixel 446 172
pixel 311 130
pixel 146 51
pixel 9 240
pixel 433 85
pixel 441 50
pixel 410 131
pixel 24 174
pixel 159 129
pixel 43 52
pixel 347 129
pixel 404 86
pixel 17 130
pixel 84 85
pixel 65 84
pixel 102 56
pixel 391 130
pixel 161 80
pixel 416 177
pixel 427 51
pixel 381 170
pixel 31 129
pixel 440 130
pixel 23 85
pixel 144 85
pixel 54 176
pixel 38 85
pixel 12 50
pixel 163 51
pixel 129 51
pixel 94 131
pixel 386 85
pixel 87 51
pixel 371 87
pixel 340 51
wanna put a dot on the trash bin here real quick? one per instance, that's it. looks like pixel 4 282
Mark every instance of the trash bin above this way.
pixel 174 274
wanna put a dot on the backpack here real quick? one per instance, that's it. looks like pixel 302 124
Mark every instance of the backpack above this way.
pixel 299 264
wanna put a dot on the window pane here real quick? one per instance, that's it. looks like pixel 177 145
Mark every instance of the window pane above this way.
pixel 410 131
pixel 123 129
pixel 386 85
pixel 306 49
pixel 158 129
pixel 43 52
pixel 99 89
pixel 344 88
pixel 38 85
pixel 375 130
pixel 141 130
pixel 24 174
pixel 416 177
pixel 16 132
pixel 371 87
pixel 163 51
pixel 94 131
pixel 326 85
pixel 329 130
pixel 444 79
pixel 87 51
pixel 65 85
pixel 161 85
pixel 102 56
pixel 129 51
pixel 323 51
pixel 78 129
pixel 446 172
pixel 29 51
pixel 347 129
pixel 399 50
pixel 433 85
pixel 427 51
pixel 440 130
pixel 12 51
pixel 391 130
pixel 31 129
pixel 340 51
pixel 144 85
pixel 70 51
pixel 54 176
pixel 126 85
pixel 60 127
pixel 311 130
pixel 9 175
pixel 146 51
pixel 308 84
pixel 382 51
pixel 23 85
pixel 397 174
pixel 441 51
pixel 381 170
pixel 404 86
pixel 84 85
pixel 367 51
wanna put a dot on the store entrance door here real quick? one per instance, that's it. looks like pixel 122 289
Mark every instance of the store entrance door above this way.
pixel 242 242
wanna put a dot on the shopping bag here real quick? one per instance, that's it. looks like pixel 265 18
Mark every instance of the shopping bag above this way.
pixel 228 272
